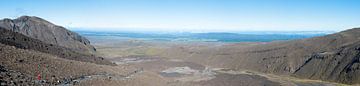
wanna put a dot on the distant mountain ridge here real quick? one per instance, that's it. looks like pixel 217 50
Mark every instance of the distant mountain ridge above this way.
pixel 47 32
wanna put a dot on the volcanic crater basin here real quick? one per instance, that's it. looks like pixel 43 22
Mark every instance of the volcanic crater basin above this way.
pixel 176 72
pixel 172 66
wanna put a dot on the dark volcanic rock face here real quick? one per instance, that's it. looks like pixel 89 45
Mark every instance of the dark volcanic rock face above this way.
pixel 19 40
pixel 27 43
pixel 47 32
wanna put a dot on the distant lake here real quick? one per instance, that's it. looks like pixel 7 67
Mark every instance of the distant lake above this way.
pixel 256 36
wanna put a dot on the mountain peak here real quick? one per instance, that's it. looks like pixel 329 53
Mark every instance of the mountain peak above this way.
pixel 26 18
pixel 48 32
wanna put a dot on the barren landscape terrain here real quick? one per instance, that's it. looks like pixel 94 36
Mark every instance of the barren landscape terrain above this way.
pixel 191 64
pixel 37 52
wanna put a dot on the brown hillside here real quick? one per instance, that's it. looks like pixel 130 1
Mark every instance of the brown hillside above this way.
pixel 21 67
pixel 21 41
pixel 37 28
pixel 333 57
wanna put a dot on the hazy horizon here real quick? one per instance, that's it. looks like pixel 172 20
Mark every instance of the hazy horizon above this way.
pixel 191 15
pixel 157 30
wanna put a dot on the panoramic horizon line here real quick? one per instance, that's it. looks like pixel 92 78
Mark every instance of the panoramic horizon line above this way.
pixel 195 29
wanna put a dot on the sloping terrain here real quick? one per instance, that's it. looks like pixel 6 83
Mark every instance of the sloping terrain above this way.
pixel 47 32
pixel 10 77
pixel 29 60
pixel 19 66
pixel 31 54
pixel 21 41
pixel 193 64
pixel 333 57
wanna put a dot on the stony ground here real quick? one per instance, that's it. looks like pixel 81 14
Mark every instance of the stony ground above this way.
pixel 19 66
pixel 159 70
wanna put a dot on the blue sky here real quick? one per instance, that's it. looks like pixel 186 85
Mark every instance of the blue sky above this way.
pixel 192 15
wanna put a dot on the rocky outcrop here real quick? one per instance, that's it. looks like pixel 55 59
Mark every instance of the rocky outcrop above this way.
pixel 37 34
pixel 47 32
pixel 21 41
pixel 336 59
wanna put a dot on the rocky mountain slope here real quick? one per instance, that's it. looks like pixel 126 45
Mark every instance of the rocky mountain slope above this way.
pixel 47 32
pixel 31 46
pixel 36 52
pixel 333 57
pixel 29 67
pixel 21 41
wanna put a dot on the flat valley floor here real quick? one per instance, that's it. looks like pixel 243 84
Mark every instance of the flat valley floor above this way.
pixel 164 63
